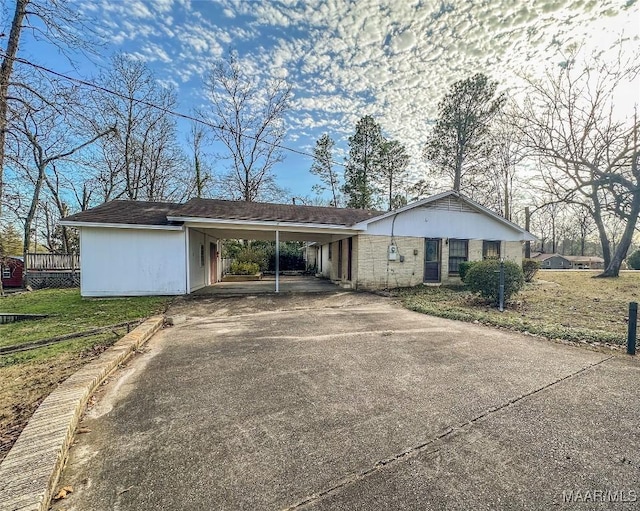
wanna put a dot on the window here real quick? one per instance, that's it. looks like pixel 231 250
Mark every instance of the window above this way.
pixel 6 272
pixel 490 250
pixel 201 255
pixel 458 253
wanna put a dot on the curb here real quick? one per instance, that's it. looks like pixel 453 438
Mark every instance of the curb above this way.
pixel 30 471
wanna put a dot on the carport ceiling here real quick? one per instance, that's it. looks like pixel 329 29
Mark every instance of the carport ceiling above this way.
pixel 285 235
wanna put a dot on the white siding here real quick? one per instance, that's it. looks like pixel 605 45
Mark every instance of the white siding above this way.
pixel 198 266
pixel 439 223
pixel 132 262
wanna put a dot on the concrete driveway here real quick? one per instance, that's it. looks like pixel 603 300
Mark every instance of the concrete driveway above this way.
pixel 347 401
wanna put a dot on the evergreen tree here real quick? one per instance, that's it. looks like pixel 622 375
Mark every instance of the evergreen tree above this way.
pixel 459 142
pixel 322 167
pixel 362 170
pixel 394 162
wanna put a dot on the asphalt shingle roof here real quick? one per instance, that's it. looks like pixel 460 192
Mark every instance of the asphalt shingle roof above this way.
pixel 156 213
pixel 126 212
pixel 261 211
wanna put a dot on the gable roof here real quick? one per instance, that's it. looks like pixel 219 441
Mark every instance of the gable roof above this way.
pixel 127 212
pixel 466 200
pixel 268 212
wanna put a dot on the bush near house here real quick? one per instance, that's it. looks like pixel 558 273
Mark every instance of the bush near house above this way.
pixel 633 261
pixel 484 278
pixel 530 267
pixel 464 269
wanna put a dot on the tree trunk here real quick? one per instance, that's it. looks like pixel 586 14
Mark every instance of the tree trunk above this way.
pixel 613 268
pixel 5 75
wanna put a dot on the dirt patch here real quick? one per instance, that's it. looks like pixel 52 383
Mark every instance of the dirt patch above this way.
pixel 24 387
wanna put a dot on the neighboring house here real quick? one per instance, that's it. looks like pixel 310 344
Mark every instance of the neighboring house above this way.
pixel 564 262
pixel 144 248
pixel 12 270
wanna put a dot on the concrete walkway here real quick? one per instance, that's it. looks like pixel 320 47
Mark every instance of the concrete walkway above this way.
pixel 349 402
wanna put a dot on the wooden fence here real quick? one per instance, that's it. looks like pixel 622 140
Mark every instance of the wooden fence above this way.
pixel 52 262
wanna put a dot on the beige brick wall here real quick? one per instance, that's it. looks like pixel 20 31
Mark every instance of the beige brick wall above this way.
pixel 375 271
pixel 512 251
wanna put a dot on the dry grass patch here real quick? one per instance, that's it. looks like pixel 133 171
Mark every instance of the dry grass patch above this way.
pixel 566 305
pixel 28 377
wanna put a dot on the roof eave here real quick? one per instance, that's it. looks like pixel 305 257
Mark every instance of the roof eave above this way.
pixel 115 225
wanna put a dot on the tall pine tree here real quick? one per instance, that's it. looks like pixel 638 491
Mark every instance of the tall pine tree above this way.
pixel 362 170
pixel 322 167
pixel 457 146
pixel 394 163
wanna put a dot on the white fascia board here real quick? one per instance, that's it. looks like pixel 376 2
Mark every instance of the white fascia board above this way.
pixel 122 226
pixel 264 225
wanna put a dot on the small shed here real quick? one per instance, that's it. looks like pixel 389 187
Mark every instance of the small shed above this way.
pixel 12 271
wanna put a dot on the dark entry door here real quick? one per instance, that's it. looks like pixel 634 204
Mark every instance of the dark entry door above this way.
pixel 349 258
pixel 340 259
pixel 432 260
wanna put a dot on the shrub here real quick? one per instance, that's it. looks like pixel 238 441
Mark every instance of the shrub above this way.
pixel 530 267
pixel 633 261
pixel 484 278
pixel 239 268
pixel 253 255
pixel 463 269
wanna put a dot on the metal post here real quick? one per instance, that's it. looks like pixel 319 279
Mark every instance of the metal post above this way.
pixel 501 290
pixel 277 261
pixel 527 222
pixel 633 322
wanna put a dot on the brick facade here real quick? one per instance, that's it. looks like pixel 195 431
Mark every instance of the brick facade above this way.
pixel 374 270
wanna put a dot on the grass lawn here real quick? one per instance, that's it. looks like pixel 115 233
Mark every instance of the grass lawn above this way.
pixel 69 313
pixel 28 377
pixel 566 305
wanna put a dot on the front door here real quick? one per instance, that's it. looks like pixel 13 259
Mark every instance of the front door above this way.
pixel 340 259
pixel 432 260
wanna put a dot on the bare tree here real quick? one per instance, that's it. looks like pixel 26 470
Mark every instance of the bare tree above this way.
pixel 42 125
pixel 54 21
pixel 203 178
pixel 591 151
pixel 249 115
pixel 141 159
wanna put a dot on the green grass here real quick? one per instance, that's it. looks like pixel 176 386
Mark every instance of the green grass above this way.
pixel 69 312
pixel 561 305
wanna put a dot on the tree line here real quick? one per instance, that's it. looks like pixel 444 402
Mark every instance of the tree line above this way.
pixel 68 145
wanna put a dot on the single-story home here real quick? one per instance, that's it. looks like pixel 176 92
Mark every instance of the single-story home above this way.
pixel 147 248
pixel 567 262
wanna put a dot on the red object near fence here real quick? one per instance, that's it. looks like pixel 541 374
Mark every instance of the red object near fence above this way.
pixel 12 271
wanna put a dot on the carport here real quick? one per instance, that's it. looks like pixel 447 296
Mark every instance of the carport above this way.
pixel 133 248
pixel 207 222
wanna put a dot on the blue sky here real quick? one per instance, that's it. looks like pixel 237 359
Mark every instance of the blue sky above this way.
pixel 393 60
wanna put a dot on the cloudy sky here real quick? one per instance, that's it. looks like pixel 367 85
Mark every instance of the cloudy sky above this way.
pixel 393 60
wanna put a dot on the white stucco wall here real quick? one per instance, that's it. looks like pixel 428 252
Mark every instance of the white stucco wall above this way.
pixel 438 223
pixel 132 262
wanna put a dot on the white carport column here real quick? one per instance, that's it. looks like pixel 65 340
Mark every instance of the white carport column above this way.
pixel 277 261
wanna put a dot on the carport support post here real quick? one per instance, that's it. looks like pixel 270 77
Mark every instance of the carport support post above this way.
pixel 277 261
pixel 633 322
pixel 501 289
